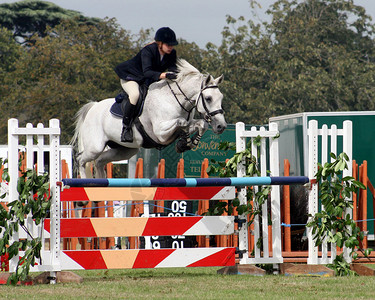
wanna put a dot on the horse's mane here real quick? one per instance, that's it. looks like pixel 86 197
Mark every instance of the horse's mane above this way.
pixel 184 70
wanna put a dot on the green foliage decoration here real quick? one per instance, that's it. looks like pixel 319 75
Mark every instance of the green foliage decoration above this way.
pixel 34 202
pixel 229 169
pixel 334 223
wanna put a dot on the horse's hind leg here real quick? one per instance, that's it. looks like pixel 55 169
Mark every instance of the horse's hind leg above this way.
pixel 113 154
pixel 85 170
pixel 84 167
pixel 85 158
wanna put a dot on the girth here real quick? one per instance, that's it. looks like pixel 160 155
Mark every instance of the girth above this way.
pixel 147 141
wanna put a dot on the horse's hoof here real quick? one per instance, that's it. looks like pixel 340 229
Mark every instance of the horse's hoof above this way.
pixel 182 146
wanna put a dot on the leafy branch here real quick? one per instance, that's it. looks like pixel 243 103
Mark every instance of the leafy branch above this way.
pixel 334 223
pixel 33 202
pixel 255 199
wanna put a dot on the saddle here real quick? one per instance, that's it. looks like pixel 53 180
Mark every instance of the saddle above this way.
pixel 117 109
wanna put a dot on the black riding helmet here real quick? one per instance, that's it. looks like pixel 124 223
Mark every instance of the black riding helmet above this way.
pixel 166 35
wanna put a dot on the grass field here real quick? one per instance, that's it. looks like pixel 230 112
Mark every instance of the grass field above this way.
pixel 195 283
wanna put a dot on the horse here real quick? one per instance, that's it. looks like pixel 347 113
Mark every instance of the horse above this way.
pixel 168 113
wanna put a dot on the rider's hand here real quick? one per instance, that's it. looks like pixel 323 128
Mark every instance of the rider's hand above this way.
pixel 171 75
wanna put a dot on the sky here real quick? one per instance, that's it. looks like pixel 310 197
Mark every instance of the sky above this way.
pixel 199 21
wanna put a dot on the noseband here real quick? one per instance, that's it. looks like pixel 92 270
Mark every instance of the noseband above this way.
pixel 208 115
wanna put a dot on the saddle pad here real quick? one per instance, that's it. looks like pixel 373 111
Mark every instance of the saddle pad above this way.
pixel 116 110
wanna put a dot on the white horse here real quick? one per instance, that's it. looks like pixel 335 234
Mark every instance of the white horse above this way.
pixel 168 111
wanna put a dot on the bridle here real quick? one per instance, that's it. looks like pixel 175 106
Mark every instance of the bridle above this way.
pixel 208 115
pixel 194 104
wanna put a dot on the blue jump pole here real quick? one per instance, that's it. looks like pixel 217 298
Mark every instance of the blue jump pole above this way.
pixel 185 182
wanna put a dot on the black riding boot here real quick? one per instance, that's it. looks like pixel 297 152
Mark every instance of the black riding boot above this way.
pixel 127 122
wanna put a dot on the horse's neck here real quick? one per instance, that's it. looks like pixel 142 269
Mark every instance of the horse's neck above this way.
pixel 187 91
pixel 191 86
pixel 168 97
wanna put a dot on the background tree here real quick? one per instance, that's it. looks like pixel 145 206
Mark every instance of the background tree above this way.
pixel 10 51
pixel 72 65
pixel 315 55
pixel 29 17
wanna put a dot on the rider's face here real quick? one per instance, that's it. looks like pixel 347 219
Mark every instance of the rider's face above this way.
pixel 166 49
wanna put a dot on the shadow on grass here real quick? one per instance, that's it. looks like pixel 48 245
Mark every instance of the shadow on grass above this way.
pixel 115 275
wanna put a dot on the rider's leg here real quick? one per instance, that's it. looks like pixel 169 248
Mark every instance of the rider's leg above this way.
pixel 132 89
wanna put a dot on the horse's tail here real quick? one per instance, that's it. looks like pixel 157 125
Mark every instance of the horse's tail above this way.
pixel 79 119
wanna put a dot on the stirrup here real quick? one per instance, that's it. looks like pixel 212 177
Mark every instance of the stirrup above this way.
pixel 127 134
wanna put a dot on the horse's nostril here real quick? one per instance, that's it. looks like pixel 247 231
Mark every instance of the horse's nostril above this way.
pixel 220 128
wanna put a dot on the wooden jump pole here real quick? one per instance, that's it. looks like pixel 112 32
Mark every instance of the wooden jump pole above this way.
pixel 68 210
pixel 159 204
pixel 355 198
pixel 109 241
pixel 363 202
pixel 137 207
pixel 372 190
pixel 286 202
pixel 203 206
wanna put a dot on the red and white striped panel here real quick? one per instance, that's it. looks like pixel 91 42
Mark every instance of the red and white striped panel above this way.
pixel 158 226
pixel 155 258
pixel 147 193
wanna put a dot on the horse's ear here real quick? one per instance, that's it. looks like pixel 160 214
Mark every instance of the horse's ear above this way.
pixel 208 80
pixel 219 79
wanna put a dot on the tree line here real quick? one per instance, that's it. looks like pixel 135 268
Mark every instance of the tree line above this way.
pixel 313 55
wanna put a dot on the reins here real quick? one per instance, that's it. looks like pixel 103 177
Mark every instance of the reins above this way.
pixel 208 115
pixel 186 98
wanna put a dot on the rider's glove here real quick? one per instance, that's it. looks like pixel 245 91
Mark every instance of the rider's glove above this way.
pixel 171 75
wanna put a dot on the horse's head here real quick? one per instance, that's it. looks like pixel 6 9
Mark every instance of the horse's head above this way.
pixel 209 104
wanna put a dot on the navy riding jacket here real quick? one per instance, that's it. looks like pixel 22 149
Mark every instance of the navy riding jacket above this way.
pixel 146 66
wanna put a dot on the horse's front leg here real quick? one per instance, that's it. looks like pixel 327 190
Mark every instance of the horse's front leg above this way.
pixel 194 126
pixel 199 127
pixel 165 130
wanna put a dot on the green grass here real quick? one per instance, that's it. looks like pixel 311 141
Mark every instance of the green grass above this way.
pixel 195 283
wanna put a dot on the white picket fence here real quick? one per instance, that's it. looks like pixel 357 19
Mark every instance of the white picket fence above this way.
pixel 268 160
pixel 39 132
pixel 322 141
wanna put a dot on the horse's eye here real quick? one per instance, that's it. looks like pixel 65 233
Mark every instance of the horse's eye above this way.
pixel 208 98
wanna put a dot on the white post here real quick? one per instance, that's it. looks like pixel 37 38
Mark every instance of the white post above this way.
pixel 334 134
pixel 55 161
pixel 29 166
pixel 275 195
pixel 13 174
pixel 347 148
pixel 241 172
pixel 324 149
pixel 313 195
pixel 263 171
pixel 40 151
pixel 256 222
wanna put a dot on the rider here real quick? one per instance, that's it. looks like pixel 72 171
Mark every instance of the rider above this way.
pixel 148 66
